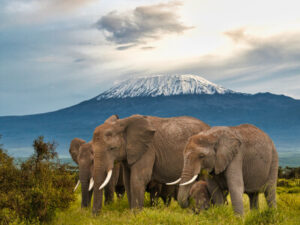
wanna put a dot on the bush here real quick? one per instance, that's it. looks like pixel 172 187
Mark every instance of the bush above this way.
pixel 33 191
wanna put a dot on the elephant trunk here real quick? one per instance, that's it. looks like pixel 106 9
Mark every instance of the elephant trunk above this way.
pixel 101 169
pixel 84 177
pixel 189 175
pixel 85 202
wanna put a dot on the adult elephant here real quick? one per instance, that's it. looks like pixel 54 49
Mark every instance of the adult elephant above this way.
pixel 241 159
pixel 150 148
pixel 83 155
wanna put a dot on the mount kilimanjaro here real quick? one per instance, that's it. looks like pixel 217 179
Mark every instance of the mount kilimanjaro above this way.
pixel 164 96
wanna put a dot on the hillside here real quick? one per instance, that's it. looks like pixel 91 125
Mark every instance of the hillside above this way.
pixel 278 115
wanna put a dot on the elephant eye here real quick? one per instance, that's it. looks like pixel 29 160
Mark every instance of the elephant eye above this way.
pixel 112 148
pixel 201 155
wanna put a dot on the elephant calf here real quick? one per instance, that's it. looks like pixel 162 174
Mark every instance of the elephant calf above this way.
pixel 240 159
pixel 202 195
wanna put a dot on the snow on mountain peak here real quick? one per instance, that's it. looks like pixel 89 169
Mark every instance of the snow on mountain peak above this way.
pixel 164 85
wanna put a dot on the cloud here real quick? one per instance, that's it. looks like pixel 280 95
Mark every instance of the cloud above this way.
pixel 64 5
pixel 236 35
pixel 142 24
pixel 267 64
pixel 23 6
pixel 124 47
pixel 37 11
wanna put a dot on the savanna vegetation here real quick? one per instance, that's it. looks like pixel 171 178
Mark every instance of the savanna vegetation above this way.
pixel 40 191
pixel 287 212
pixel 32 191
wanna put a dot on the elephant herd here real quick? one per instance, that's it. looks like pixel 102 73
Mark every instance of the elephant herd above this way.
pixel 165 156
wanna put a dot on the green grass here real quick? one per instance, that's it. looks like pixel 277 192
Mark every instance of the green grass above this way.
pixel 287 212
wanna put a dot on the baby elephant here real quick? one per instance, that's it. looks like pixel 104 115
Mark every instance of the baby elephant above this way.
pixel 201 195
pixel 199 192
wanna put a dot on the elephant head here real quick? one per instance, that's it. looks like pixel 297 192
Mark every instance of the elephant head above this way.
pixel 212 150
pixel 118 140
pixel 82 153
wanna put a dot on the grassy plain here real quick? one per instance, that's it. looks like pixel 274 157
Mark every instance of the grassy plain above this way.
pixel 287 212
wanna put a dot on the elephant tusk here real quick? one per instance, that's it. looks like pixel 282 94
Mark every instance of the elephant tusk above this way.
pixel 190 181
pixel 91 184
pixel 174 182
pixel 77 185
pixel 106 179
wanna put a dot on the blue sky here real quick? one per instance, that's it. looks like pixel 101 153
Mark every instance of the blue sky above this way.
pixel 56 53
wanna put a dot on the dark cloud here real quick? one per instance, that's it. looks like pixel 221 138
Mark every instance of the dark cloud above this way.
pixel 142 24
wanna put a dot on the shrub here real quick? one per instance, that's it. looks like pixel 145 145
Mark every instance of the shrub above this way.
pixel 33 191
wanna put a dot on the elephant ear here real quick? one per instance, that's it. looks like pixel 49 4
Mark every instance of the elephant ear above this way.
pixel 74 148
pixel 226 149
pixel 138 135
pixel 112 119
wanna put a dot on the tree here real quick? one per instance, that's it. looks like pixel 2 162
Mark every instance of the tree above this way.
pixel 33 191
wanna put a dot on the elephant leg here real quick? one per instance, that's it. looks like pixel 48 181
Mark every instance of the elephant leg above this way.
pixel 215 191
pixel 140 176
pixel 126 179
pixel 235 183
pixel 254 203
pixel 270 195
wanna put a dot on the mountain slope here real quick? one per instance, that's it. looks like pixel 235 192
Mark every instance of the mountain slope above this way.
pixel 278 115
pixel 163 86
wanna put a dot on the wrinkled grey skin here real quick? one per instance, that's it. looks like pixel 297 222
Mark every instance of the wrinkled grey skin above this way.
pixel 83 155
pixel 163 191
pixel 150 148
pixel 241 159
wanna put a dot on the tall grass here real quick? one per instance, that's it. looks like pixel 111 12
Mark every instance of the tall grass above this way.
pixel 287 212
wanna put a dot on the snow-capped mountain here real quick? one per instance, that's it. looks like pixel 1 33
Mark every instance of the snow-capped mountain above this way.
pixel 162 96
pixel 163 85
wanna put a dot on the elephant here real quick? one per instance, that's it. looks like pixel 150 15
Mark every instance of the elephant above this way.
pixel 199 192
pixel 150 148
pixel 166 192
pixel 83 155
pixel 240 159
pixel 202 193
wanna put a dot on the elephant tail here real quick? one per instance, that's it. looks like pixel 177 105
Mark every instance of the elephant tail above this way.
pixel 273 174
pixel 270 191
